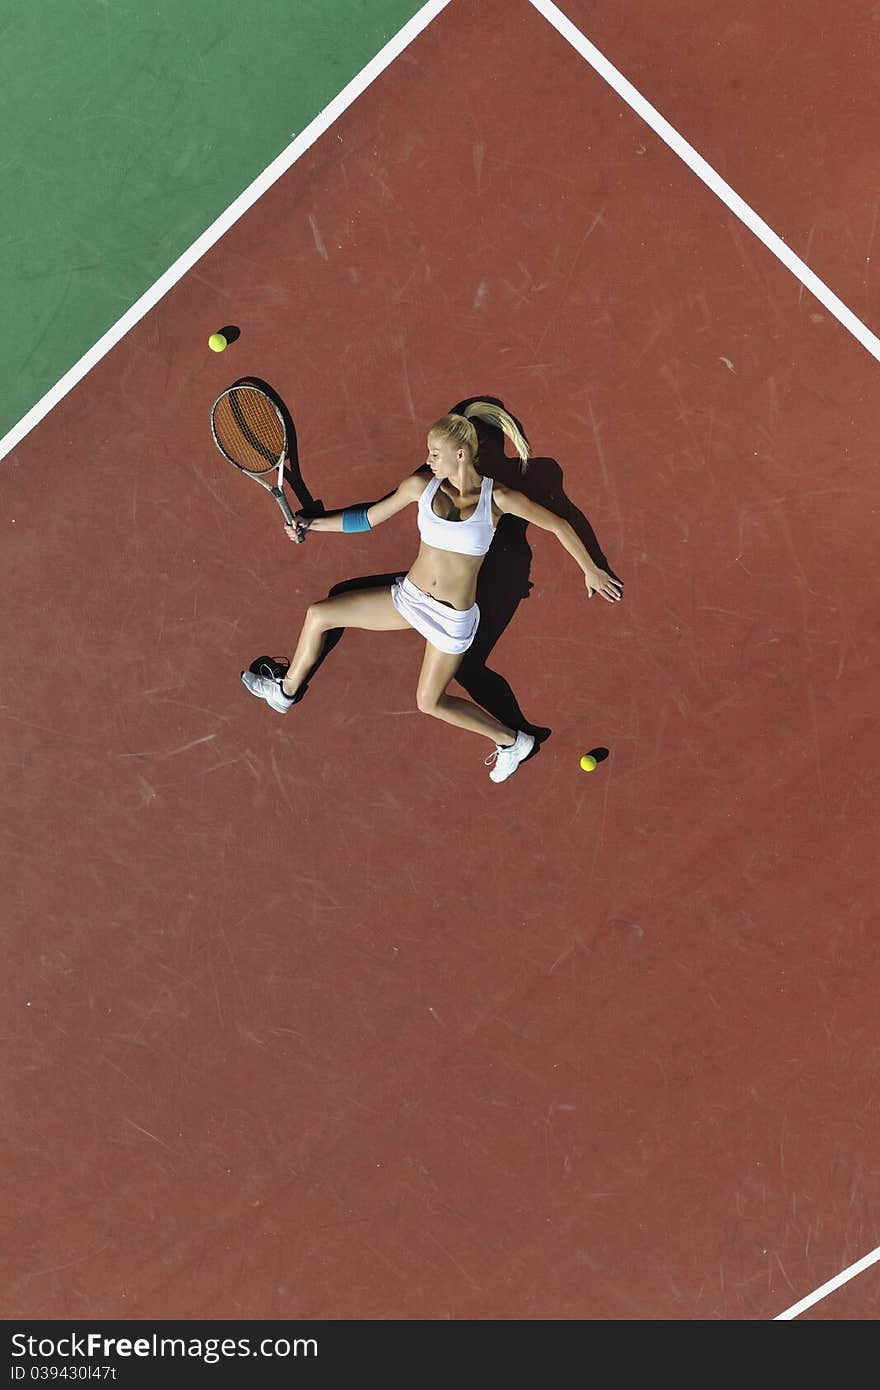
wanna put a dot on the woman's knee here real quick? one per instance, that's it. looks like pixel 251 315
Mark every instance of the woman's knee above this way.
pixel 371 609
pixel 428 701
pixel 316 614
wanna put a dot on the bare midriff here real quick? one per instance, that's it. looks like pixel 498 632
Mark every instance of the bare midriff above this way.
pixel 446 576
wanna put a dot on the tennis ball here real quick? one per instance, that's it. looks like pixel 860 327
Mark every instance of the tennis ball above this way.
pixel 216 342
pixel 588 762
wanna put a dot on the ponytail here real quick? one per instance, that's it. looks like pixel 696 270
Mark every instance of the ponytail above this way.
pixel 461 433
pixel 494 415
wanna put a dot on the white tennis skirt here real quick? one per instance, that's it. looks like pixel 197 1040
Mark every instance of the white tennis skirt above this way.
pixel 450 629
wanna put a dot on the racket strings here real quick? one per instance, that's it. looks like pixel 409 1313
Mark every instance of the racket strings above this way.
pixel 248 429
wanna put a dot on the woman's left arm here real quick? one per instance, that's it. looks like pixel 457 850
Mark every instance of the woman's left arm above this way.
pixel 517 504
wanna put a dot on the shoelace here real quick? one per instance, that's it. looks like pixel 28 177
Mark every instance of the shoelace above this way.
pixel 274 673
pixel 500 748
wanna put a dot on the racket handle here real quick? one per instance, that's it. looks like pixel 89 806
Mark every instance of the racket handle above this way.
pixel 282 502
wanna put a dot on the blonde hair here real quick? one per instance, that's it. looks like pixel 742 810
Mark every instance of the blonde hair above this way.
pixel 461 433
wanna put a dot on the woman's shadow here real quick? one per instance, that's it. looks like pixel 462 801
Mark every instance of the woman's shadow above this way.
pixel 503 582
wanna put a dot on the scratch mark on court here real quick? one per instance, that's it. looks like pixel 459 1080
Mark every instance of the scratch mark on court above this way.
pixel 44 728
pixel 147 1133
pixel 596 428
pixel 367 1109
pixel 871 242
pixel 684 413
pixel 169 752
pixel 454 1261
pixel 185 704
pixel 277 775
pixel 757 271
pixel 217 994
pixel 479 151
pixel 728 364
pixel 148 792
pixel 697 298
pixel 215 767
pixel 219 500
pixel 319 242
pixel 530 278
pixel 576 941
pixel 814 719
pixel 782 1270
pixel 541 169
pixel 515 290
pixel 132 1041
pixel 598 218
pixel 599 839
pixel 54 1269
pixel 659 326
pixel 249 759
pixel 406 386
pixel 597 440
pixel 547 1118
pixel 232 959
pixel 129 1079
pixel 395 1269
pixel 318 886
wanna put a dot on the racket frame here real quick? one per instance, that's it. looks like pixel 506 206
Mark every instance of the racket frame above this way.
pixel 276 487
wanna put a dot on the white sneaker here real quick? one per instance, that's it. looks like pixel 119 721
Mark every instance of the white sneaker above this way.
pixel 507 760
pixel 266 685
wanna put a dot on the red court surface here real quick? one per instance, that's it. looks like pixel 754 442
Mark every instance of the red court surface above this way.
pixel 782 102
pixel 305 1017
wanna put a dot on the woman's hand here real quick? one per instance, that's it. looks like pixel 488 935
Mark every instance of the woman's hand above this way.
pixel 598 582
pixel 297 532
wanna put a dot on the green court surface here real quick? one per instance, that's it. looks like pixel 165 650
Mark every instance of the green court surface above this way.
pixel 127 130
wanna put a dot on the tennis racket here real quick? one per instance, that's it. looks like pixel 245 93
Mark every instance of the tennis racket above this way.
pixel 250 432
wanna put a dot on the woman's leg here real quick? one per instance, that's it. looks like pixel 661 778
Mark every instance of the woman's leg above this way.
pixel 438 669
pixel 365 608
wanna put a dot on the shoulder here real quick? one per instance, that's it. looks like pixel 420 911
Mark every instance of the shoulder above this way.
pixel 414 484
pixel 505 498
pixel 513 503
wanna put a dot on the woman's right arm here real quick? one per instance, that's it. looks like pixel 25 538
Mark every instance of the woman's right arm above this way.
pixel 409 491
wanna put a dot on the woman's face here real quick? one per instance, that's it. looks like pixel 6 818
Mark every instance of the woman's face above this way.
pixel 443 457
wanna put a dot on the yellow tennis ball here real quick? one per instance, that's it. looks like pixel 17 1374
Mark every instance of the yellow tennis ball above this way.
pixel 588 762
pixel 216 342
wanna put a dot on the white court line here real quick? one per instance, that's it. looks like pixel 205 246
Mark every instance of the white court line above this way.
pixel 185 262
pixel 832 1284
pixel 704 171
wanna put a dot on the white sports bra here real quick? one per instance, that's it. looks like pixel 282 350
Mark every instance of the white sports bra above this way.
pixel 471 537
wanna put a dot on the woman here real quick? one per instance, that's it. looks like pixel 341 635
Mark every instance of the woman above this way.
pixel 458 510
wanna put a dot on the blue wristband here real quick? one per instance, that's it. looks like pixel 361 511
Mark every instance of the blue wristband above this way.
pixel 356 519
